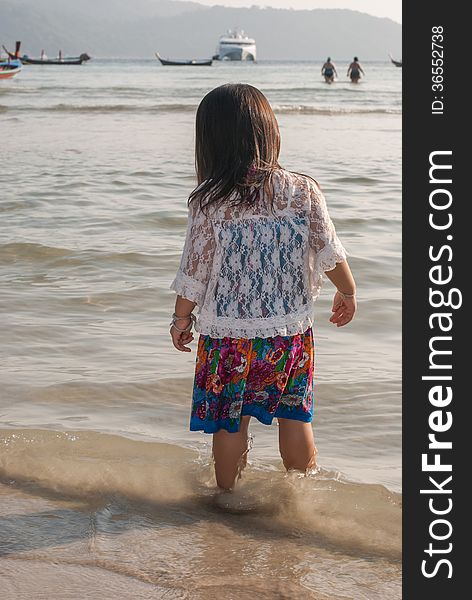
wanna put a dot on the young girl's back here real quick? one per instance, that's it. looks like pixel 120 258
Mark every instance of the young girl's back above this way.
pixel 260 267
pixel 258 241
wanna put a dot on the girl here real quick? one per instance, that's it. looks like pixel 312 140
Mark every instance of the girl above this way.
pixel 259 239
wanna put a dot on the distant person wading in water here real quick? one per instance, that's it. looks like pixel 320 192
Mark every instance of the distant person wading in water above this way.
pixel 259 239
pixel 329 71
pixel 354 71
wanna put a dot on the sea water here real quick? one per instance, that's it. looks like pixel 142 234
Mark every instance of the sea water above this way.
pixel 103 490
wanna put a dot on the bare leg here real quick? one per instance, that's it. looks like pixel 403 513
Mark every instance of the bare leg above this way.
pixel 297 445
pixel 230 454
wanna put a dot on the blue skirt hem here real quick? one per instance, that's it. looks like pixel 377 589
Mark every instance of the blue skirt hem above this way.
pixel 257 412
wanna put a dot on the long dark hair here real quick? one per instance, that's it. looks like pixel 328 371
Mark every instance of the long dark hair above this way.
pixel 237 145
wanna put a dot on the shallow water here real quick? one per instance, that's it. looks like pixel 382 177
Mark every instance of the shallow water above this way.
pixel 97 465
pixel 149 511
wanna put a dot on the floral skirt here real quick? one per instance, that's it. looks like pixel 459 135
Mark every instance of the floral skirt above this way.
pixel 261 377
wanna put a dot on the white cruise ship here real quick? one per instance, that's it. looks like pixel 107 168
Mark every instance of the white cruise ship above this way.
pixel 235 45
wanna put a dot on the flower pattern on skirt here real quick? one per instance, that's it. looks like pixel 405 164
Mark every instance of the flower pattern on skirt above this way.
pixel 262 377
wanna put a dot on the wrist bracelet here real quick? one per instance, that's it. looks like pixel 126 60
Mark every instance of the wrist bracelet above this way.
pixel 176 318
pixel 344 296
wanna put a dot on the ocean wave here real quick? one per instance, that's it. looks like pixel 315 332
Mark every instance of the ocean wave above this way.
pixel 334 110
pixel 180 107
pixel 334 513
pixel 101 108
pixel 357 180
pixel 25 250
pixel 30 251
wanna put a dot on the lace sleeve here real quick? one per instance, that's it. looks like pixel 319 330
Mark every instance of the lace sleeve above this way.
pixel 196 262
pixel 323 239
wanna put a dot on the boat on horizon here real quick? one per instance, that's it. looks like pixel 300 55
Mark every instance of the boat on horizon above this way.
pixel 397 63
pixel 9 68
pixel 183 62
pixel 236 45
pixel 43 60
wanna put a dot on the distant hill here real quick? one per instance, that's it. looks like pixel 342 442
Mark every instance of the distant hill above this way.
pixel 137 28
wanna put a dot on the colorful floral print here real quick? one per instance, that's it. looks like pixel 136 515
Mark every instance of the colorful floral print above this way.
pixel 262 377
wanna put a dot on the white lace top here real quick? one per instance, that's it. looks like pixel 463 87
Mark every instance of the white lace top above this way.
pixel 256 274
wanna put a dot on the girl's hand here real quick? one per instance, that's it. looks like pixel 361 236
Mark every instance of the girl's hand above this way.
pixel 181 338
pixel 343 309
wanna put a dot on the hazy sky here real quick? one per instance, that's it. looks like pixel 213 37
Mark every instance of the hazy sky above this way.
pixel 379 8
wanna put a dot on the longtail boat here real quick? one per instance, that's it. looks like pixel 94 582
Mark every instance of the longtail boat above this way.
pixel 60 60
pixel 182 62
pixel 9 68
pixel 397 63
